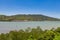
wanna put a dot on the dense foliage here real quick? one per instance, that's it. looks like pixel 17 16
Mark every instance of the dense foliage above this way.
pixel 27 18
pixel 32 34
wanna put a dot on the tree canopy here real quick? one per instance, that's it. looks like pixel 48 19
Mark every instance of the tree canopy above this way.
pixel 31 34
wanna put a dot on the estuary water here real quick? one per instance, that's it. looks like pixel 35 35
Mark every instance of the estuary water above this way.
pixel 8 26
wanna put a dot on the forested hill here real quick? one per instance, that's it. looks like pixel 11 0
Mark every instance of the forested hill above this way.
pixel 27 18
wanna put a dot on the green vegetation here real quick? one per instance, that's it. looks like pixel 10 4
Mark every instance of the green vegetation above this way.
pixel 32 34
pixel 27 18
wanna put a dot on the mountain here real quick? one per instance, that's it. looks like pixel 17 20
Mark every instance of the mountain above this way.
pixel 29 17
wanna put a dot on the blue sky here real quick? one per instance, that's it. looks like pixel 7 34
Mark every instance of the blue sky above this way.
pixel 45 7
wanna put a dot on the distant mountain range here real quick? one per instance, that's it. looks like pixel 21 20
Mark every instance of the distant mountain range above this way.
pixel 21 17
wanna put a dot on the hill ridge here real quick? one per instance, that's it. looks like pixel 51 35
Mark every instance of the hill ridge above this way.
pixel 21 17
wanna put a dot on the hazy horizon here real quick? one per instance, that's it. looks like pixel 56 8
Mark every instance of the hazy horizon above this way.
pixel 45 7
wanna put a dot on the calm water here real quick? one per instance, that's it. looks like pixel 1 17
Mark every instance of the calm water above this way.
pixel 7 26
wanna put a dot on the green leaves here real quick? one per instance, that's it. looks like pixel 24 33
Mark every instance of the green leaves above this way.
pixel 57 37
pixel 32 34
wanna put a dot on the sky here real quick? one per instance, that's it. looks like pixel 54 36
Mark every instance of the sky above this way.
pixel 44 7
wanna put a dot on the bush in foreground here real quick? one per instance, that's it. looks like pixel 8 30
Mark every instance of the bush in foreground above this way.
pixel 32 34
